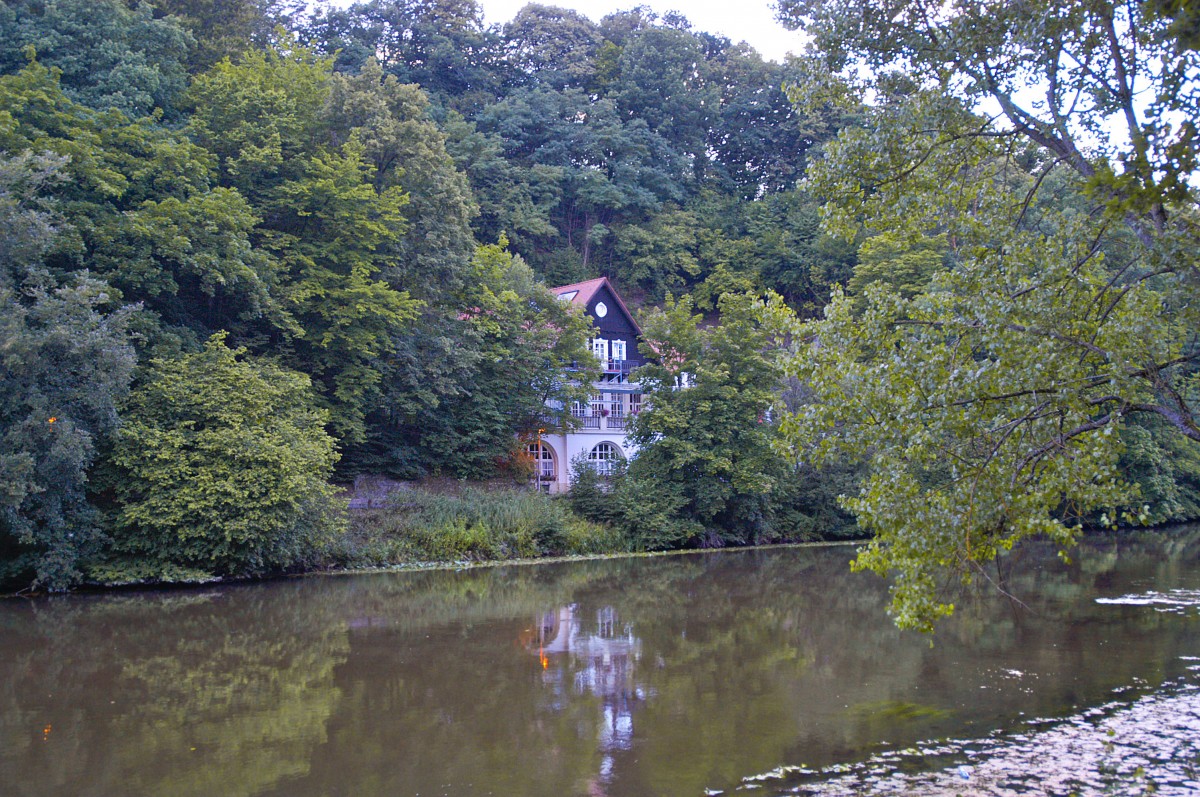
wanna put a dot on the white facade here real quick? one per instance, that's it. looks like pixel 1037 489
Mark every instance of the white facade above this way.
pixel 600 436
pixel 601 423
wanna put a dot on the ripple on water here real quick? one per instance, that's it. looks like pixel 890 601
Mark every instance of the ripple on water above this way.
pixel 1151 745
pixel 1176 601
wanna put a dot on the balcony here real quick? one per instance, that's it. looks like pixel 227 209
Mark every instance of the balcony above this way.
pixel 619 370
pixel 600 423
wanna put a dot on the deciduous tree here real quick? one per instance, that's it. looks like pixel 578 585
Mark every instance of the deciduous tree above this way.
pixel 222 465
pixel 1053 144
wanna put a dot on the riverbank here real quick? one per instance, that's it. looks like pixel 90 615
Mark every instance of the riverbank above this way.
pixel 469 524
pixel 425 525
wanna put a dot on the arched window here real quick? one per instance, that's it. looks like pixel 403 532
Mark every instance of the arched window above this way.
pixel 604 458
pixel 542 457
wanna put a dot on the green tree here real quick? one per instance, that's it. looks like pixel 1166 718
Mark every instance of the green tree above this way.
pixel 407 151
pixel 554 46
pixel 519 346
pixel 261 115
pixel 228 28
pixel 705 437
pixel 138 208
pixel 906 267
pixel 664 80
pixel 192 261
pixel 990 405
pixel 441 45
pixel 514 200
pixel 221 466
pixel 331 227
pixel 111 54
pixel 65 365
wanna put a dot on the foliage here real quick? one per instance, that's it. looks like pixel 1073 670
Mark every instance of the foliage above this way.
pixel 441 45
pixel 332 224
pixel 322 204
pixel 706 472
pixel 1165 466
pixel 705 437
pixel 407 151
pixel 111 54
pixel 989 405
pixel 479 525
pixel 65 364
pixel 227 28
pixel 260 115
pixel 221 466
pixel 521 342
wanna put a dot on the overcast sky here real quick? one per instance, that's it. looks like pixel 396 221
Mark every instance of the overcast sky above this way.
pixel 751 21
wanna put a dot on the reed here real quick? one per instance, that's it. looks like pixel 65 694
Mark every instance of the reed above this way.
pixel 470 526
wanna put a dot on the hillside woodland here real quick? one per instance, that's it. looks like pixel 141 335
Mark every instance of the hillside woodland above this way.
pixel 251 249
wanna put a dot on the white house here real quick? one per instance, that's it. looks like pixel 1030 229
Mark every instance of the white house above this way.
pixel 600 435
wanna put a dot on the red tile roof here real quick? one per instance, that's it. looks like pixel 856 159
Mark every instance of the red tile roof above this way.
pixel 586 291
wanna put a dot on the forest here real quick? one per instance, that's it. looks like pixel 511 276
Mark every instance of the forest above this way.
pixel 251 249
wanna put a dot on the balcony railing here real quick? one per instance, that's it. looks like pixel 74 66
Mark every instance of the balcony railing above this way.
pixel 622 367
pixel 593 422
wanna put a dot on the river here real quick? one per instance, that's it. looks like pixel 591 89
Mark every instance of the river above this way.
pixel 748 672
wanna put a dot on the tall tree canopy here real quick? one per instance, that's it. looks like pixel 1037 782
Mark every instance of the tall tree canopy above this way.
pixel 1053 145
pixel 111 54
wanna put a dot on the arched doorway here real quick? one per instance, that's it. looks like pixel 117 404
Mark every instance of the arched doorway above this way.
pixel 545 470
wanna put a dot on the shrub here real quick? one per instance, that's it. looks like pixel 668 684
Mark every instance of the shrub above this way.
pixel 221 467
pixel 475 525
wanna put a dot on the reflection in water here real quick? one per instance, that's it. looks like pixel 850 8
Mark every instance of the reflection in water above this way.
pixel 163 694
pixel 624 678
pixel 1177 601
pixel 598 659
pixel 1149 747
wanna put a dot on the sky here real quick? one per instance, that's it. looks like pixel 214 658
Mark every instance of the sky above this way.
pixel 752 21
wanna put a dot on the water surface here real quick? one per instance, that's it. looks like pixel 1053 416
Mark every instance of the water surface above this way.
pixel 764 672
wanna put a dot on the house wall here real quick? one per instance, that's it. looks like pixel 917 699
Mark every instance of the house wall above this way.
pixel 614 325
pixel 568 446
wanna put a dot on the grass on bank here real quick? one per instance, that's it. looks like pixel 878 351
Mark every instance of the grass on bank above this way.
pixel 473 525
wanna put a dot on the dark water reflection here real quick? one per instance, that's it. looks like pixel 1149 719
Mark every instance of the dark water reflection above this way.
pixel 658 676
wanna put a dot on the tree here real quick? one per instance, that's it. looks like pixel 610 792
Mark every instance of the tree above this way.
pixel 227 28
pixel 502 364
pixel 441 45
pixel 406 150
pixel 65 365
pixel 221 466
pixel 111 54
pixel 664 80
pixel 138 208
pixel 1053 144
pixel 554 46
pixel 261 115
pixel 705 436
pixel 332 234
pixel 611 168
